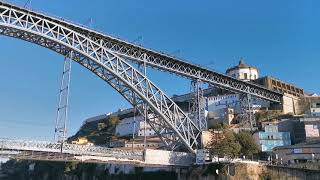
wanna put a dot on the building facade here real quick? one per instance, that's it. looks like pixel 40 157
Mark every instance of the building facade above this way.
pixel 315 109
pixel 134 125
pixel 243 71
pixel 281 86
pixel 138 143
pixel 300 153
pixel 302 129
pixel 271 138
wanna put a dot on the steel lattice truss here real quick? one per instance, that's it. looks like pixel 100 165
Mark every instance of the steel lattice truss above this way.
pixel 41 146
pixel 164 62
pixel 172 125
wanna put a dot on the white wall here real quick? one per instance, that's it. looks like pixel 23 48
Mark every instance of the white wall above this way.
pixel 256 137
pixel 126 127
pixel 252 74
pixel 218 103
pixel 289 103
pixel 168 157
pixel 315 110
pixel 3 160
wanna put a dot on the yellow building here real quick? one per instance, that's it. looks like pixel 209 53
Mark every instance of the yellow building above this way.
pixel 82 141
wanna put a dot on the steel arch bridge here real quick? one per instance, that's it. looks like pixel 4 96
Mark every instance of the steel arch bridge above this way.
pixel 109 58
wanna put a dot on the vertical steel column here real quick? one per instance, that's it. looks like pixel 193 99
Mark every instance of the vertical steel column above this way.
pixel 144 70
pixel 243 114
pixel 249 111
pixel 197 105
pixel 246 114
pixel 134 126
pixel 60 131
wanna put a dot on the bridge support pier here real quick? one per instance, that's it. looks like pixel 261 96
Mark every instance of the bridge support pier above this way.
pixel 246 114
pixel 197 104
pixel 60 132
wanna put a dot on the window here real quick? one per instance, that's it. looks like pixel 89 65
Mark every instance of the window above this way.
pixel 245 76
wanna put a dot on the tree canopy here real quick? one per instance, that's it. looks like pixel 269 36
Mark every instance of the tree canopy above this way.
pixel 232 145
pixel 228 146
pixel 248 145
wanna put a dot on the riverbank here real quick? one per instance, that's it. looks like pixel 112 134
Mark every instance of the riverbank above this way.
pixel 31 170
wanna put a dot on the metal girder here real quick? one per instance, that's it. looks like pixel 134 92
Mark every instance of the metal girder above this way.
pixel 172 125
pixel 165 62
pixel 197 105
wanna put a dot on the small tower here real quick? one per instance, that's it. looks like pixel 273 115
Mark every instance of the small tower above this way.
pixel 243 71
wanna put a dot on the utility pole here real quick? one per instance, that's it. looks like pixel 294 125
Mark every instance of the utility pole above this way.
pixel 60 132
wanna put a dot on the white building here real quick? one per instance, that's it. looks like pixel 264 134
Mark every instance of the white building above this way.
pixel 221 102
pixel 136 125
pixel 108 115
pixel 219 106
pixel 315 109
pixel 243 72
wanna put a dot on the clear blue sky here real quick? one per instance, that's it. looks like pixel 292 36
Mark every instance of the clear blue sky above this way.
pixel 281 38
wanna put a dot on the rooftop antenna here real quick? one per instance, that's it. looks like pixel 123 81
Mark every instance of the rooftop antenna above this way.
pixel 89 22
pixel 27 4
pixel 211 63
pixel 138 39
pixel 176 52
pixel 235 59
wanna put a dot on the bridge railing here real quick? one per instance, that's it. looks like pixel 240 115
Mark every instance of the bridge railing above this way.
pixel 42 146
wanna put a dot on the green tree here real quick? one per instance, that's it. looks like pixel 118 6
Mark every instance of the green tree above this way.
pixel 228 146
pixel 248 145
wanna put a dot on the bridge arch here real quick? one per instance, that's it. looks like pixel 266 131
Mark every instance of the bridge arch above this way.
pixel 172 125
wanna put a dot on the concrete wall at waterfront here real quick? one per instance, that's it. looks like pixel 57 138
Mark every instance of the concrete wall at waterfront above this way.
pixel 168 157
